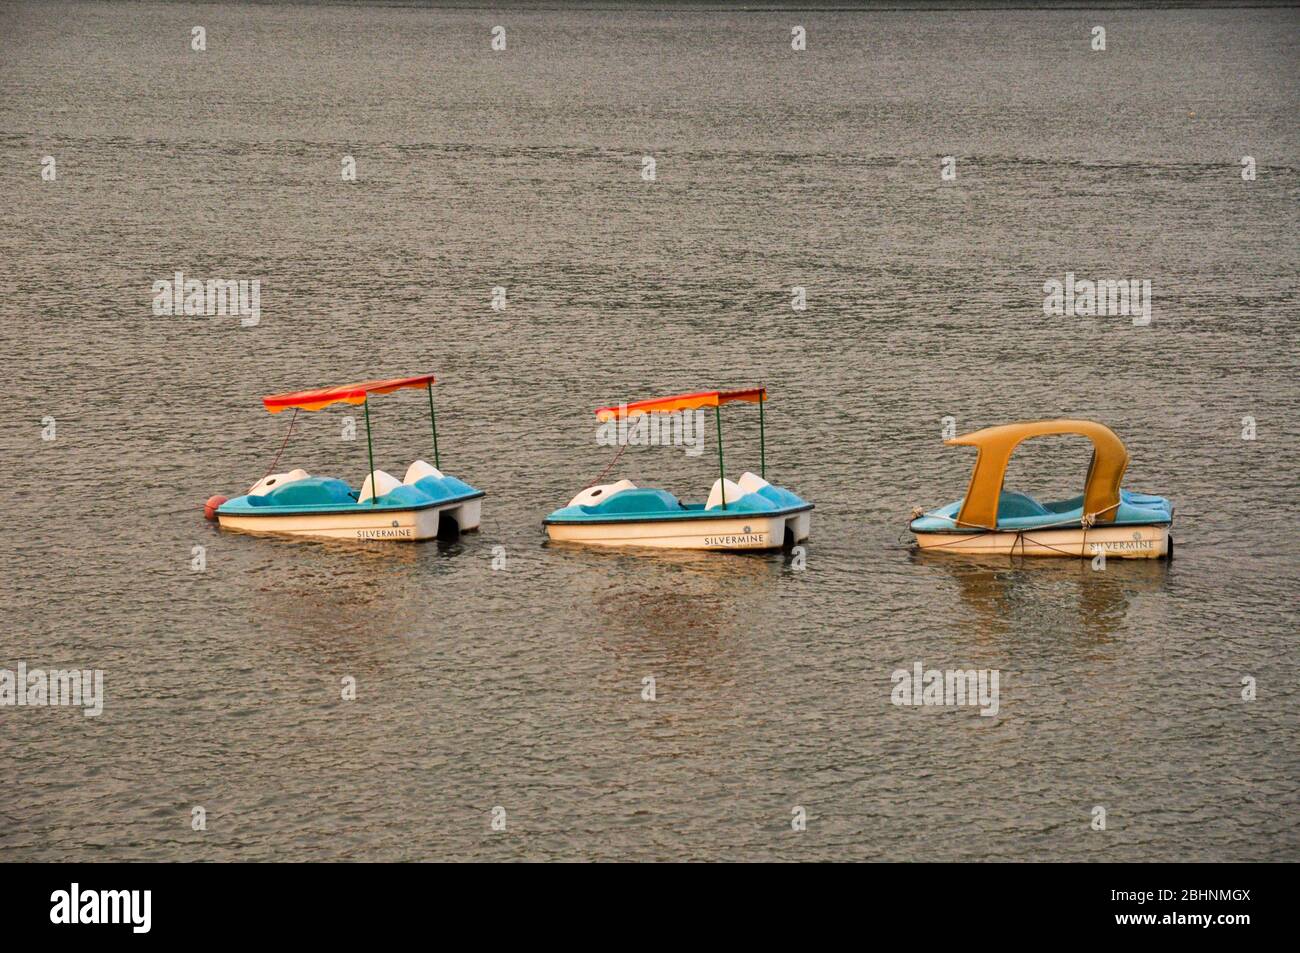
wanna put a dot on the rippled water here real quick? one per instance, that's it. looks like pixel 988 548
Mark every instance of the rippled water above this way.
pixel 521 687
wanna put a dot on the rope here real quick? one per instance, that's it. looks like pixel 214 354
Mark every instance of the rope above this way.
pixel 1086 521
pixel 276 461
pixel 611 466
pixel 1037 542
pixel 1021 538
pixel 955 542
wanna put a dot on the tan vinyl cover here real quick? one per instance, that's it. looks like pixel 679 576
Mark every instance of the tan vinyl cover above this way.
pixel 996 444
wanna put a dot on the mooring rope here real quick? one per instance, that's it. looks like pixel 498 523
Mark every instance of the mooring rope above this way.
pixel 611 466
pixel 276 461
pixel 1086 521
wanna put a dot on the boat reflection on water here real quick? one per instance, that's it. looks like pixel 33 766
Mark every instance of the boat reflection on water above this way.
pixel 1000 595
pixel 632 560
pixel 334 597
pixel 687 603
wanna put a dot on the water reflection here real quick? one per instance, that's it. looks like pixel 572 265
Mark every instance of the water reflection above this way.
pixel 1002 595
pixel 384 551
pixel 326 594
pixel 687 603
pixel 730 565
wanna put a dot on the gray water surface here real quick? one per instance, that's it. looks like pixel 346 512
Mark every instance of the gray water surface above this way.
pixel 521 687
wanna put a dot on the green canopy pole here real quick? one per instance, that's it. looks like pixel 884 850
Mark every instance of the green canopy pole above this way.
pixel 722 473
pixel 762 437
pixel 434 421
pixel 370 452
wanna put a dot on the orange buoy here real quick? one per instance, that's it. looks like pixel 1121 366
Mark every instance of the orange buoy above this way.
pixel 210 507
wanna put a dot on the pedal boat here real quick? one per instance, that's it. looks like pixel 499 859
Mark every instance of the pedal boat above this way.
pixel 992 521
pixel 750 514
pixel 426 504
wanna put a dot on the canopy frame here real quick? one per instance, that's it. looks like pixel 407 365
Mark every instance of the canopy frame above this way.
pixel 358 393
pixel 696 401
pixel 370 455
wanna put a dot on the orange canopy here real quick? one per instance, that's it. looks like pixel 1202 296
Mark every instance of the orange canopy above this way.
pixel 347 394
pixel 665 405
pixel 996 444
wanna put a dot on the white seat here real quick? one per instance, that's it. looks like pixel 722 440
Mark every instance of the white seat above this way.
pixel 734 492
pixel 751 483
pixel 597 494
pixel 418 470
pixel 273 481
pixel 386 482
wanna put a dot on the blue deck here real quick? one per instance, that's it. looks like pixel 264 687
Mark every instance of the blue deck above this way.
pixel 326 495
pixel 1018 511
pixel 641 504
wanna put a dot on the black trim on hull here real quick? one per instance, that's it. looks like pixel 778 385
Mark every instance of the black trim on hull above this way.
pixel 978 531
pixel 376 509
pixel 693 517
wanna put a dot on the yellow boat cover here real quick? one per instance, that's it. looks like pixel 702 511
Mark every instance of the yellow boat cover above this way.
pixel 996 444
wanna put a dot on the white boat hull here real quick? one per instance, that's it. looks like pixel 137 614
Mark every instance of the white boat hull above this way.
pixel 382 524
pixel 748 532
pixel 1117 542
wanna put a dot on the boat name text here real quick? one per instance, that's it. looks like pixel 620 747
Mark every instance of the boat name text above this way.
pixel 403 532
pixel 748 539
